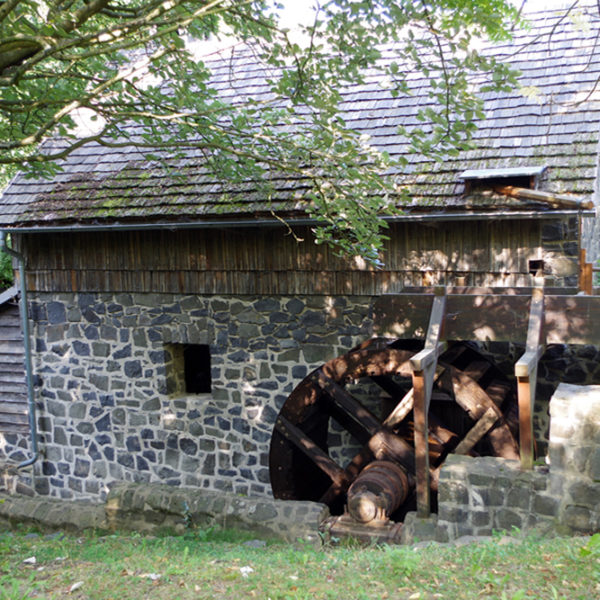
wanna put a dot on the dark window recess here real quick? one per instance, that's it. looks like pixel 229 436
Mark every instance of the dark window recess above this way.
pixel 196 361
pixel 516 181
pixel 536 268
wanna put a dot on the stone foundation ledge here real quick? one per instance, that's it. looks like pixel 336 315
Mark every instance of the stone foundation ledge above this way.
pixel 51 513
pixel 156 508
pixel 150 507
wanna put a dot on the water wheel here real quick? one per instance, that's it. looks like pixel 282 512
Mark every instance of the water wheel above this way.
pixel 344 436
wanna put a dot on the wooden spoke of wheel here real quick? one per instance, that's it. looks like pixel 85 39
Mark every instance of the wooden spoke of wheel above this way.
pixel 358 420
pixel 488 419
pixel 405 405
pixel 319 457
pixel 443 435
pixel 378 438
pixel 477 369
pixel 473 399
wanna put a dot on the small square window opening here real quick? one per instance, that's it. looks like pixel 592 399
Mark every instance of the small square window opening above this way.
pixel 536 268
pixel 196 364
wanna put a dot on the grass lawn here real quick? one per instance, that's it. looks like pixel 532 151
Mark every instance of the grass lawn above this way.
pixel 219 565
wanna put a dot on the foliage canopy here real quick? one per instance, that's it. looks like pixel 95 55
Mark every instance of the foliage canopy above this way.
pixel 127 65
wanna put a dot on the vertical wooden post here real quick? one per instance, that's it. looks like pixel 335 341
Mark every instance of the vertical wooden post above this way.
pixel 423 366
pixel 586 273
pixel 526 373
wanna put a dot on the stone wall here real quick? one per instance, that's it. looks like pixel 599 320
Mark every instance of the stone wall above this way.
pixel 560 252
pixel 152 508
pixel 112 408
pixel 110 405
pixel 575 455
pixel 479 495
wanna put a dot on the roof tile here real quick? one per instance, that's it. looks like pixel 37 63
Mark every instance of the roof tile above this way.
pixel 557 126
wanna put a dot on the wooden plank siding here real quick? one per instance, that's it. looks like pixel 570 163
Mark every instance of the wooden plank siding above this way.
pixel 267 261
pixel 13 389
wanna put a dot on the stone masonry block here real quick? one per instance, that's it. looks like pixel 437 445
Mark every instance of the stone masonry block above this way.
pixel 577 518
pixel 577 459
pixel 578 408
pixel 481 479
pixel 545 505
pixel 557 454
pixel 594 465
pixel 453 492
pixel 456 467
pixel 480 518
pixel 518 497
pixel 490 496
pixel 419 529
pixel 540 479
pixel 454 514
pixel 508 519
pixel 584 493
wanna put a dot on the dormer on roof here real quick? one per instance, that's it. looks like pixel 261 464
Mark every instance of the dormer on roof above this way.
pixel 522 177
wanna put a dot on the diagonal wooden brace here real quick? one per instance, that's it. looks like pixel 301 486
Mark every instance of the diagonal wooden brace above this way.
pixel 424 366
pixel 526 373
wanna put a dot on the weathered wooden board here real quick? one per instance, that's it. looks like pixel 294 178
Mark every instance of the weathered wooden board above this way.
pixel 13 390
pixel 572 320
pixel 468 317
pixel 490 317
pixel 269 261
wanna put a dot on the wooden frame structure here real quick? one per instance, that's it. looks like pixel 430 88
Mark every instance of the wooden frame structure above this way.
pixel 519 315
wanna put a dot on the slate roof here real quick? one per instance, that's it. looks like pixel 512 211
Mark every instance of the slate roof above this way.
pixel 559 127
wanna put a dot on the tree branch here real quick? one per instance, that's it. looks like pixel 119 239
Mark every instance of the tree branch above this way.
pixel 7 7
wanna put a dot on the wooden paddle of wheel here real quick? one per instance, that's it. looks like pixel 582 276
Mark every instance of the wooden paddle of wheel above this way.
pixel 473 411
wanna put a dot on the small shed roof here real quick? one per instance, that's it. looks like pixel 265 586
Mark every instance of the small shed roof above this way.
pixel 552 120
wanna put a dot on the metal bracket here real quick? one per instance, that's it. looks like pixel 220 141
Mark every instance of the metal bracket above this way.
pixel 424 366
pixel 526 373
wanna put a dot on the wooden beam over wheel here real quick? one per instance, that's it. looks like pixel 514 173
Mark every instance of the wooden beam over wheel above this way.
pixel 491 316
pixel 424 365
pixel 526 373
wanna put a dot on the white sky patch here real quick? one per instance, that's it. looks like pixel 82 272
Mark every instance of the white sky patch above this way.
pixel 296 13
pixel 87 122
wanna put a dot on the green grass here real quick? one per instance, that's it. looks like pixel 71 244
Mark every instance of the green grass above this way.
pixel 218 565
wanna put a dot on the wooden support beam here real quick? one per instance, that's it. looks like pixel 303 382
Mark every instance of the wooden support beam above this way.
pixel 586 274
pixel 554 200
pixel 526 373
pixel 424 365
